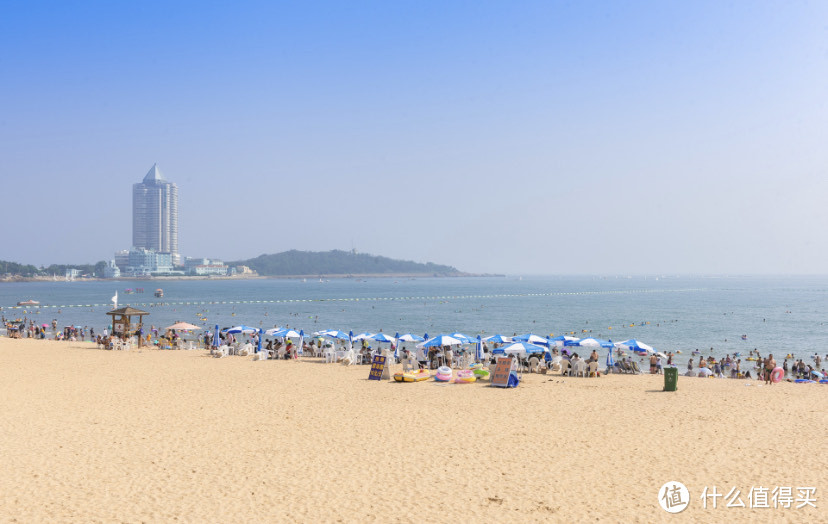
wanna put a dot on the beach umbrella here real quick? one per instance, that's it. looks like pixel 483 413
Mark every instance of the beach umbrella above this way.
pixel 300 350
pixel 183 326
pixel 363 336
pixel 610 360
pixel 334 333
pixel 661 355
pixel 479 353
pixel 439 341
pixel 634 345
pixel 216 337
pixel 381 337
pixel 529 337
pixel 593 343
pixel 397 346
pixel 408 337
pixel 564 340
pixel 520 348
pixel 285 333
pixel 242 329
pixel 500 339
pixel 463 338
pixel 259 344
pixel 350 340
pixel 270 331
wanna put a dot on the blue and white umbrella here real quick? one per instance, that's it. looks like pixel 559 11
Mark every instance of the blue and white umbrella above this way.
pixel 531 338
pixel 382 337
pixel 363 336
pixel 479 347
pixel 464 338
pixel 500 339
pixel 284 333
pixel 300 349
pixel 634 345
pixel 439 341
pixel 333 333
pixel 564 340
pixel 520 348
pixel 216 337
pixel 594 343
pixel 242 329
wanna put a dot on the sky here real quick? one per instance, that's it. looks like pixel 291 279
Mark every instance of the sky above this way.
pixel 524 137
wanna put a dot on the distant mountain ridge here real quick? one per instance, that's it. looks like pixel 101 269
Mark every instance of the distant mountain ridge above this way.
pixel 337 262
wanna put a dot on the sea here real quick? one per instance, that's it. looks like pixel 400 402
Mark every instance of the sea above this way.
pixel 709 315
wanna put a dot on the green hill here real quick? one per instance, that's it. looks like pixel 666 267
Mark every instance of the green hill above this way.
pixel 295 263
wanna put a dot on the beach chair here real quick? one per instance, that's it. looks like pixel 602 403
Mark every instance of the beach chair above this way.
pixel 634 366
pixel 593 369
pixel 580 369
pixel 565 366
pixel 330 356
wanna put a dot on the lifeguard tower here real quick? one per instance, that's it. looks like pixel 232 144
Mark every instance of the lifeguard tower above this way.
pixel 123 323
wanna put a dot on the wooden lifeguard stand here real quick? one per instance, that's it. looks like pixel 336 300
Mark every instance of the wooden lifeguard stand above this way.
pixel 122 323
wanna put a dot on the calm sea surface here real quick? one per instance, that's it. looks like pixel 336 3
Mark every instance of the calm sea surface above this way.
pixel 778 314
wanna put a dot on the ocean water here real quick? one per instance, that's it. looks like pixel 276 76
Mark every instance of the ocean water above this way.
pixel 777 314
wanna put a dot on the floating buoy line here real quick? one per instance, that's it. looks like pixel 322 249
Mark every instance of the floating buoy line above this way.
pixel 365 299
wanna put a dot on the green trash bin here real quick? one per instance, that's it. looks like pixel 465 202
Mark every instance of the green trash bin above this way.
pixel 670 379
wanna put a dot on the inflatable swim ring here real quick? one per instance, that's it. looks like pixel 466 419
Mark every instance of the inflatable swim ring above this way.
pixel 777 374
pixel 481 373
pixel 823 381
pixel 752 359
pixel 804 381
pixel 442 378
pixel 444 370
pixel 465 376
pixel 412 376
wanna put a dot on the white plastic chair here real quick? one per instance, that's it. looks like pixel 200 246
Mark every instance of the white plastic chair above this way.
pixel 593 369
pixel 330 356
pixel 580 368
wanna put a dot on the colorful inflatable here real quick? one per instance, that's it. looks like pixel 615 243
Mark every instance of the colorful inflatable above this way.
pixel 465 376
pixel 412 376
pixel 777 374
pixel 443 374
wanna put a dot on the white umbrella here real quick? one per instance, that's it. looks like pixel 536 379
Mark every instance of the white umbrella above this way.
pixel 409 337
pixel 365 335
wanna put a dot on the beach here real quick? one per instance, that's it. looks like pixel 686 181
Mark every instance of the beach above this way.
pixel 148 435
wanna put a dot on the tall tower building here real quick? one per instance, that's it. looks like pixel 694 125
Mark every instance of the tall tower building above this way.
pixel 155 214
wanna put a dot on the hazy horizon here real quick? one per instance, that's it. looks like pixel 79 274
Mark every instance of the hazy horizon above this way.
pixel 528 138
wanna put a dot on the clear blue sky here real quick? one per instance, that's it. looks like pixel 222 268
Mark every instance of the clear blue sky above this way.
pixel 517 137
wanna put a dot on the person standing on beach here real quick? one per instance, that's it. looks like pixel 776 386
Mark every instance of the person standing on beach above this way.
pixel 770 364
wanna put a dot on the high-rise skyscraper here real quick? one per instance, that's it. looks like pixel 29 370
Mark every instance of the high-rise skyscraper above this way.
pixel 155 214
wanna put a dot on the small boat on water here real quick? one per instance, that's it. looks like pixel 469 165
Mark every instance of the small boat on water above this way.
pixel 159 293
pixel 29 303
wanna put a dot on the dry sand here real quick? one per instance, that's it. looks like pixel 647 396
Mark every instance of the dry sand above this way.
pixel 101 436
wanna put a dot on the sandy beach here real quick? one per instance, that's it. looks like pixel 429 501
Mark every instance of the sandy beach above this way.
pixel 103 436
